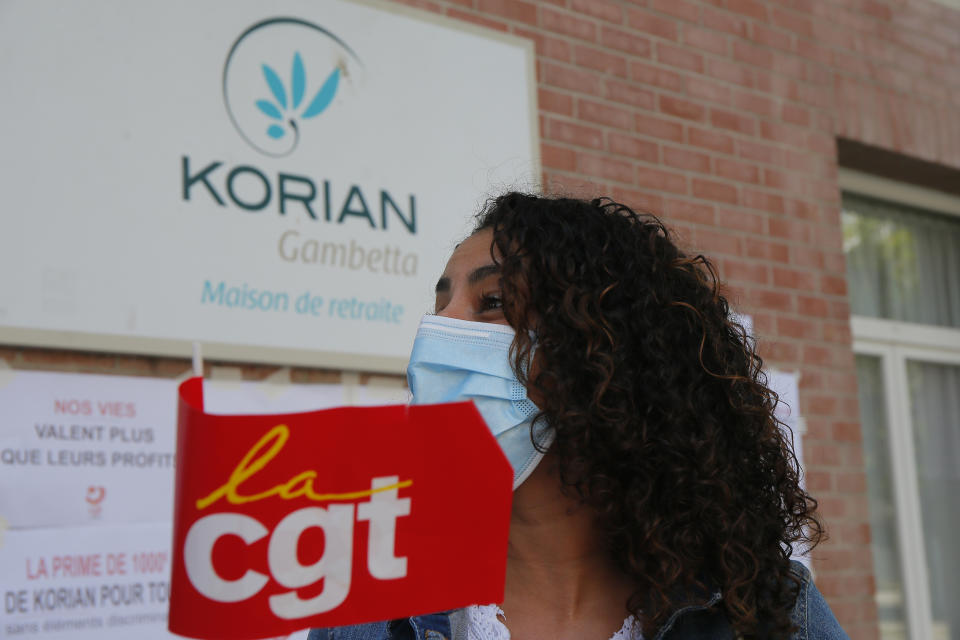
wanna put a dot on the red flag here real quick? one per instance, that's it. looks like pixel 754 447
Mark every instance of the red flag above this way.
pixel 335 517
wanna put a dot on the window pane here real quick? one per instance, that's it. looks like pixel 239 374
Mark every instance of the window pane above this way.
pixel 902 263
pixel 935 406
pixel 883 518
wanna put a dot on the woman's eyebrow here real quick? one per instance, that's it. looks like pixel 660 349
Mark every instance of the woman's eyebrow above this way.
pixel 480 273
pixel 443 285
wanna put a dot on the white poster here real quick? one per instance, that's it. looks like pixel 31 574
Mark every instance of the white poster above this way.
pixel 85 449
pixel 82 582
pixel 280 181
pixel 86 494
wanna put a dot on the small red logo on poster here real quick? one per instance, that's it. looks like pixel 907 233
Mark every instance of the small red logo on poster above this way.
pixel 94 497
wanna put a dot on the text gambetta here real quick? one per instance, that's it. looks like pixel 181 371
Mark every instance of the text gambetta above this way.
pixel 380 506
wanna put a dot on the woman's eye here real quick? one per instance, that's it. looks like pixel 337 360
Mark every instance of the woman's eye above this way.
pixel 490 302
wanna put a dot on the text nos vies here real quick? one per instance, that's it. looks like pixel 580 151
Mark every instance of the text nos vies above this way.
pixel 381 509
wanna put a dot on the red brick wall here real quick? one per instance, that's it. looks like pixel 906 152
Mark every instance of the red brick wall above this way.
pixel 722 116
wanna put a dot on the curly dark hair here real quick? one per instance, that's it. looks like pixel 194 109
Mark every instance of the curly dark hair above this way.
pixel 664 422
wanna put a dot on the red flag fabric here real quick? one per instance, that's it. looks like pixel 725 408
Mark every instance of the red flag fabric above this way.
pixel 335 517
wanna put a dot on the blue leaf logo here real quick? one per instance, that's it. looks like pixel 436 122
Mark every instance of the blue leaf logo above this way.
pixel 277 109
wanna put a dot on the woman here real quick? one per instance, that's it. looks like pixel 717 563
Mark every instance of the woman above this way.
pixel 667 503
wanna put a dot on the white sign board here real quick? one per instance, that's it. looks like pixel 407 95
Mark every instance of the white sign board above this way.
pixel 80 449
pixel 81 582
pixel 282 182
pixel 85 449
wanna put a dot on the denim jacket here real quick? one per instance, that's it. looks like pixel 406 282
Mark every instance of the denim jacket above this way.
pixel 811 616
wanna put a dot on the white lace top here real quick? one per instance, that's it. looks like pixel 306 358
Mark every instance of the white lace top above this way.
pixel 484 622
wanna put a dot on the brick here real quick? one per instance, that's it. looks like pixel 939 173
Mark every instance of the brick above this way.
pixel 657 76
pixel 473 18
pixel 759 152
pixel 801 329
pixel 794 22
pixel 555 157
pixel 749 8
pixel 784 134
pixel 840 310
pixel 722 21
pixel 689 211
pixel 555 102
pixel 741 220
pixel 732 121
pixel 517 10
pixel 795 114
pixel 605 114
pixel 638 200
pixel 630 94
pixel 710 140
pixel 573 79
pixel 573 133
pixel 771 299
pixel 681 108
pixel 718 242
pixel 819 481
pixel 730 72
pixel 779 351
pixel 811 380
pixel 680 57
pixel 646 22
pixel 801 209
pixel 815 96
pixel 833 285
pixel 795 230
pixel 819 356
pixel 774 38
pixel 757 248
pixel 746 271
pixel 601 61
pixel 776 85
pixel 754 103
pixel 686 159
pixel 846 431
pixel 753 55
pixel 699 87
pixel 547 47
pixel 627 41
pixel 567 24
pixel 659 127
pixel 794 279
pixel 625 145
pixel 604 167
pixel 602 9
pixel 814 52
pixel 705 39
pixel 810 257
pixel 736 170
pixel 677 8
pixel 661 180
pixel 763 200
pixel 717 191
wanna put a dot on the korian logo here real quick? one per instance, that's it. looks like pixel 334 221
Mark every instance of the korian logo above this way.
pixel 279 76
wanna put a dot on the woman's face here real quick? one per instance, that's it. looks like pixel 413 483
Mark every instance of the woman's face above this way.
pixel 469 288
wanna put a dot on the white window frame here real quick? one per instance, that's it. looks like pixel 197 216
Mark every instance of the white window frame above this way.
pixel 895 343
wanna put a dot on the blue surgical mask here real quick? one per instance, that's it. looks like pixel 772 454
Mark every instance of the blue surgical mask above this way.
pixel 457 360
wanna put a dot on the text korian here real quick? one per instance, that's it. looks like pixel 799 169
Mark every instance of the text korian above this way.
pixel 249 188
